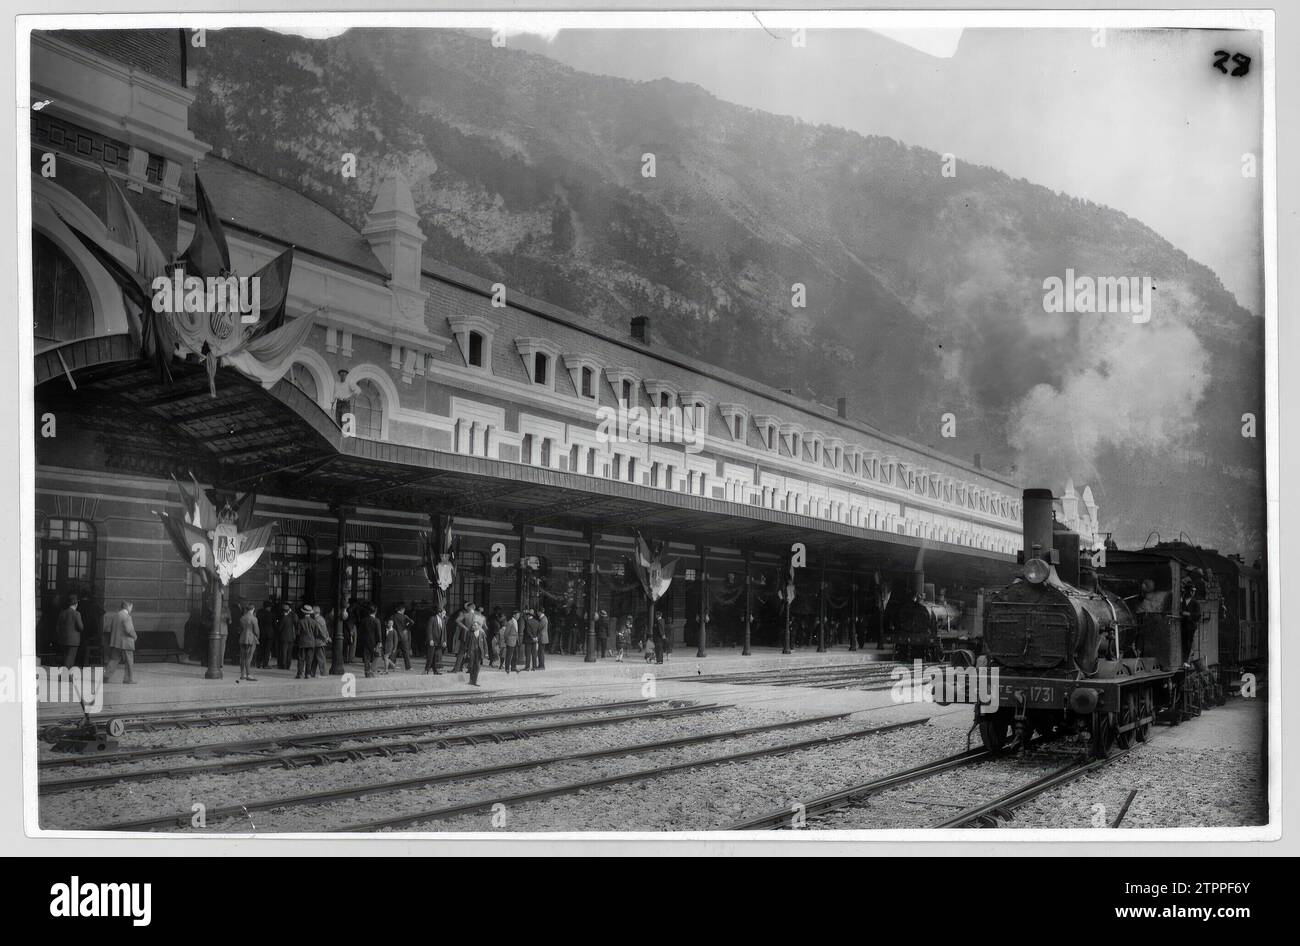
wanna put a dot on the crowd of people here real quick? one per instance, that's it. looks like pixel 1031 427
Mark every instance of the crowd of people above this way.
pixel 301 638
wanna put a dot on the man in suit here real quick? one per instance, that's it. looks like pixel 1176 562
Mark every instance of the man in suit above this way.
pixel 477 647
pixel 265 634
pixel 69 630
pixel 435 635
pixel 602 632
pixel 285 637
pixel 509 642
pixel 304 634
pixel 121 642
pixel 464 625
pixel 543 638
pixel 248 639
pixel 402 624
pixel 531 630
pixel 368 632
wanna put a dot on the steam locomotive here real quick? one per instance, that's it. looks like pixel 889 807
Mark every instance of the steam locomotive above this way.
pixel 1101 655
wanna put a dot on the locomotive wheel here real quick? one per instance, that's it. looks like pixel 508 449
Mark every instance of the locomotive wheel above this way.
pixel 1103 735
pixel 995 731
pixel 1126 716
pixel 1143 732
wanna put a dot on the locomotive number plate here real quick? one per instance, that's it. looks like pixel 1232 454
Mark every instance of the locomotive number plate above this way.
pixel 1035 694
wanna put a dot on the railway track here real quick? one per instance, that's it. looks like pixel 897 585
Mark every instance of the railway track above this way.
pixel 987 814
pixel 486 804
pixel 288 711
pixel 247 746
pixel 875 668
pixel 246 808
pixel 323 756
pixel 981 814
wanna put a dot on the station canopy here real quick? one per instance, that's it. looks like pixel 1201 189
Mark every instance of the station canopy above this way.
pixel 279 442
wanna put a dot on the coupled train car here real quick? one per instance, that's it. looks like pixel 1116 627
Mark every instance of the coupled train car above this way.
pixel 1101 655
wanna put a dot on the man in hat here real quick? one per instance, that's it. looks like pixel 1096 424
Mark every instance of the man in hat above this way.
pixel 532 629
pixel 323 640
pixel 510 641
pixel 602 632
pixel 368 632
pixel 286 637
pixel 477 646
pixel 402 624
pixel 304 633
pixel 249 635
pixel 435 634
pixel 69 631
pixel 121 642
pixel 543 638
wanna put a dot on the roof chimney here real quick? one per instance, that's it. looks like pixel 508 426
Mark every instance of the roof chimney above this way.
pixel 641 328
pixel 842 407
pixel 979 465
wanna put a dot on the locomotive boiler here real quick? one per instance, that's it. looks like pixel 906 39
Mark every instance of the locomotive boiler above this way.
pixel 1061 649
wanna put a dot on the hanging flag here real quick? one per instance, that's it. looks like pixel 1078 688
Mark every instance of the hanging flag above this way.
pixel 654 573
pixel 274 293
pixel 786 591
pixel 150 332
pixel 207 254
pixel 125 226
pixel 226 550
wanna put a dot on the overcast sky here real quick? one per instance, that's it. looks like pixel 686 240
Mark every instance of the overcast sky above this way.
pixel 1144 124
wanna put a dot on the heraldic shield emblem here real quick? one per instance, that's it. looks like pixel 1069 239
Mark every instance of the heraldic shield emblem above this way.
pixel 225 549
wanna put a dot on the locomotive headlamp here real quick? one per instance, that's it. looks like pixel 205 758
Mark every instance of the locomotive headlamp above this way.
pixel 1036 571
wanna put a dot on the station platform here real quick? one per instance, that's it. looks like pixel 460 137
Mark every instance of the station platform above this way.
pixel 161 686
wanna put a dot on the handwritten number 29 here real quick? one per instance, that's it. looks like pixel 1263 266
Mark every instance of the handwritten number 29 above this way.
pixel 1242 61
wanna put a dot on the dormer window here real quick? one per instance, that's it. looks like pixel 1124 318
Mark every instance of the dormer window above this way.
pixel 583 371
pixel 473 335
pixel 626 392
pixel 736 417
pixel 539 356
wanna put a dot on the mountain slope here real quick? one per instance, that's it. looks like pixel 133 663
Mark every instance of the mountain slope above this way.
pixel 924 293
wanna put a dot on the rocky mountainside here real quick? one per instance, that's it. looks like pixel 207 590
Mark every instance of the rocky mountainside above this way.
pixel 924 293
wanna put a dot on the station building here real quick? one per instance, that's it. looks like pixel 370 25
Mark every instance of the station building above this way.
pixel 462 397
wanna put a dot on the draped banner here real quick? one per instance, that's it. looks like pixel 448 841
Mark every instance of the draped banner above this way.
pixel 652 571
pixel 202 324
pixel 438 552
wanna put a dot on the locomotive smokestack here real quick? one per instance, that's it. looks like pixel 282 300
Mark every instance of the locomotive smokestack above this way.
pixel 1038 524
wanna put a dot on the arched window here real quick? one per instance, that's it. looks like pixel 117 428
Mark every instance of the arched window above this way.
pixel 361 564
pixel 368 409
pixel 62 307
pixel 476 349
pixel 588 383
pixel 300 377
pixel 290 570
pixel 540 364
